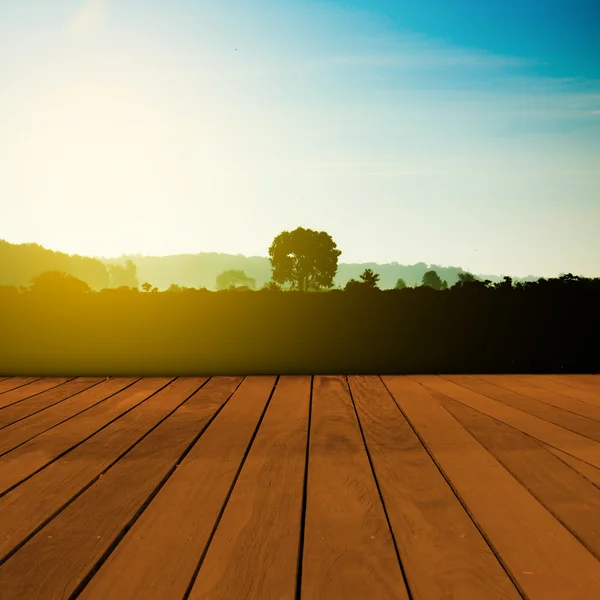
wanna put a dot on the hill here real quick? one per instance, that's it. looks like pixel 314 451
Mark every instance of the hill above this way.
pixel 20 262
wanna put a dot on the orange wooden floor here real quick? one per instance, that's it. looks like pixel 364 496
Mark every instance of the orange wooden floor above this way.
pixel 423 487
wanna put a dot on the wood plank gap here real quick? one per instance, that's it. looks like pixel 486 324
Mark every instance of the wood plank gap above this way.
pixel 377 485
pixel 172 533
pixel 61 483
pixel 505 567
pixel 12 383
pixel 30 390
pixel 304 497
pixel 52 569
pixel 542 474
pixel 194 578
pixel 542 555
pixel 17 434
pixel 573 443
pixel 590 472
pixel 15 470
pixel 569 420
pixel 548 384
pixel 348 548
pixel 585 409
pixel 32 406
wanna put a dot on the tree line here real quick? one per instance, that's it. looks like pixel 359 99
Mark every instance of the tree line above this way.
pixel 301 260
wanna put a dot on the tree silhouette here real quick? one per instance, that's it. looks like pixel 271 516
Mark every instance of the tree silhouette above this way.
pixel 271 286
pixel 123 275
pixel 432 279
pixel 146 286
pixel 370 279
pixel 465 278
pixel 234 278
pixel 400 284
pixel 505 285
pixel 304 258
pixel 57 282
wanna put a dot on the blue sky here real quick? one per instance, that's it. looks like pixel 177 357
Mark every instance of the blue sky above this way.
pixel 450 132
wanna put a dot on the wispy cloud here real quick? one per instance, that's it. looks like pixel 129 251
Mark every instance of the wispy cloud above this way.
pixel 89 18
pixel 411 51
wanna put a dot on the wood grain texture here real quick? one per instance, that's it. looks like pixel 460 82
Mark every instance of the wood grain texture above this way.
pixel 443 553
pixel 523 387
pixel 45 448
pixel 573 500
pixel 556 386
pixel 18 433
pixel 561 417
pixel 39 402
pixel 543 558
pixel 37 386
pixel 456 489
pixel 159 555
pixel 587 383
pixel 592 474
pixel 12 383
pixel 581 447
pixel 349 552
pixel 63 480
pixel 59 557
pixel 259 532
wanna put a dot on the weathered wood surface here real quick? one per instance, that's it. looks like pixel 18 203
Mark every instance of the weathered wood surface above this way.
pixel 300 488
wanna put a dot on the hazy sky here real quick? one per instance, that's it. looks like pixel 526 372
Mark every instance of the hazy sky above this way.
pixel 452 132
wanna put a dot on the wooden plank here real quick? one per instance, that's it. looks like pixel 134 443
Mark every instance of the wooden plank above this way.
pixel 443 553
pixel 13 383
pixel 39 402
pixel 35 454
pixel 525 389
pixel 31 389
pixel 254 552
pixel 63 480
pixel 18 433
pixel 563 418
pixel 573 500
pixel 57 560
pixel 172 533
pixel 550 384
pixel 581 447
pixel 592 474
pixel 587 383
pixel 349 550
pixel 543 558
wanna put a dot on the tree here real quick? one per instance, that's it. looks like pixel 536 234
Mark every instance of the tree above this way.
pixel 234 278
pixel 304 258
pixel 146 286
pixel 464 278
pixel 400 284
pixel 370 279
pixel 271 286
pixel 123 275
pixel 57 282
pixel 432 280
pixel 505 284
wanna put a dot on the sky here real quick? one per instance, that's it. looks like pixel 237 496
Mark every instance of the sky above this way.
pixel 449 132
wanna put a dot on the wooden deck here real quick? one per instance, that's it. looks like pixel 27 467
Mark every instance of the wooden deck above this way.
pixel 393 487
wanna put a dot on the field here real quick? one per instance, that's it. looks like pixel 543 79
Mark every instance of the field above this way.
pixel 329 487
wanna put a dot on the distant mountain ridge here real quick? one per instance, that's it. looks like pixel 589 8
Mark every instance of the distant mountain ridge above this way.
pixel 201 270
pixel 20 262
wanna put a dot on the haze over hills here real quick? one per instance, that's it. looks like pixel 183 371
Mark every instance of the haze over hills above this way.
pixel 201 270
pixel 20 262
